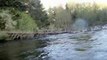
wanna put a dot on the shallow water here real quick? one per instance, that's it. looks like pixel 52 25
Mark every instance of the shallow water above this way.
pixel 79 46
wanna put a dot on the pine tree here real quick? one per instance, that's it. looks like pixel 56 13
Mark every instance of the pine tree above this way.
pixel 38 13
pixel 18 4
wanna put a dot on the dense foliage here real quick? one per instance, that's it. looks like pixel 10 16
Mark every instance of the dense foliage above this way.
pixel 94 14
pixel 13 15
pixel 64 18
pixel 38 13
pixel 21 15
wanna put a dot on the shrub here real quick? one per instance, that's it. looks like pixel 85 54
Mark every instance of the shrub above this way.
pixel 3 36
pixel 26 23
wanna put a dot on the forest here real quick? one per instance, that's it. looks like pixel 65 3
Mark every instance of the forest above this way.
pixel 31 16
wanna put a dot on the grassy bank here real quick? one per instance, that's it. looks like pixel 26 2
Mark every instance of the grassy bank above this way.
pixel 3 36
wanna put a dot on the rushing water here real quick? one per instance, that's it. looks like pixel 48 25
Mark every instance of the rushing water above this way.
pixel 79 46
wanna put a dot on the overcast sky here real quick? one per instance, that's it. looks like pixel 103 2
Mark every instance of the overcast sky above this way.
pixel 52 3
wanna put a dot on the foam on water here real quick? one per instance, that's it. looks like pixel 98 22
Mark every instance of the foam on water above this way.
pixel 80 48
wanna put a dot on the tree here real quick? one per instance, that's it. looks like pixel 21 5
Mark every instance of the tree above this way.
pixel 62 18
pixel 18 4
pixel 6 21
pixel 38 13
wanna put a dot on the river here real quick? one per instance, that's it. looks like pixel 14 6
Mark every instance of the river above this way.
pixel 79 46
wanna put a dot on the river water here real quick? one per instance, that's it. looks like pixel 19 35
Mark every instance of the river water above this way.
pixel 79 46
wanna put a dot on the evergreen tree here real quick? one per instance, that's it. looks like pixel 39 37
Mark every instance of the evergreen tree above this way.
pixel 38 13
pixel 18 4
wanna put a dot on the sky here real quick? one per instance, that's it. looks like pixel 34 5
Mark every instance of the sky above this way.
pixel 53 3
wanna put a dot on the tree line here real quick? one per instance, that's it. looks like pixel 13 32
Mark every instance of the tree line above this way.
pixel 29 15
pixel 22 15
pixel 64 17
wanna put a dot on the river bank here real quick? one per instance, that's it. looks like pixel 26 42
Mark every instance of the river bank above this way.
pixel 9 36
pixel 16 35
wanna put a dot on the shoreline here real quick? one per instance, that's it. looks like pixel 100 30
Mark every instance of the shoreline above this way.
pixel 9 35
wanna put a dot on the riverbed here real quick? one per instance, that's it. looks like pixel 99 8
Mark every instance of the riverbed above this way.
pixel 66 46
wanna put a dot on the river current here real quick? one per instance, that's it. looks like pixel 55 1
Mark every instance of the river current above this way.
pixel 79 46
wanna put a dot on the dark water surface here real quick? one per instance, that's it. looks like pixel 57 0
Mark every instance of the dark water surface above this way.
pixel 21 50
pixel 80 46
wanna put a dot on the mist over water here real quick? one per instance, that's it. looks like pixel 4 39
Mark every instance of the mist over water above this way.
pixel 80 24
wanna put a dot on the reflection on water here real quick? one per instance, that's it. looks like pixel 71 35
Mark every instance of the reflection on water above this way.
pixel 20 50
pixel 80 46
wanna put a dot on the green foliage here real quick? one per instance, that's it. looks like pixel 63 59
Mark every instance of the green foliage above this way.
pixel 38 13
pixel 26 23
pixel 6 22
pixel 64 18
pixel 3 36
pixel 18 4
pixel 60 17
pixel 94 14
pixel 16 12
pixel 12 19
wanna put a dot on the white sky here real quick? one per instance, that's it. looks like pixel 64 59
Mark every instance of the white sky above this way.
pixel 53 3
